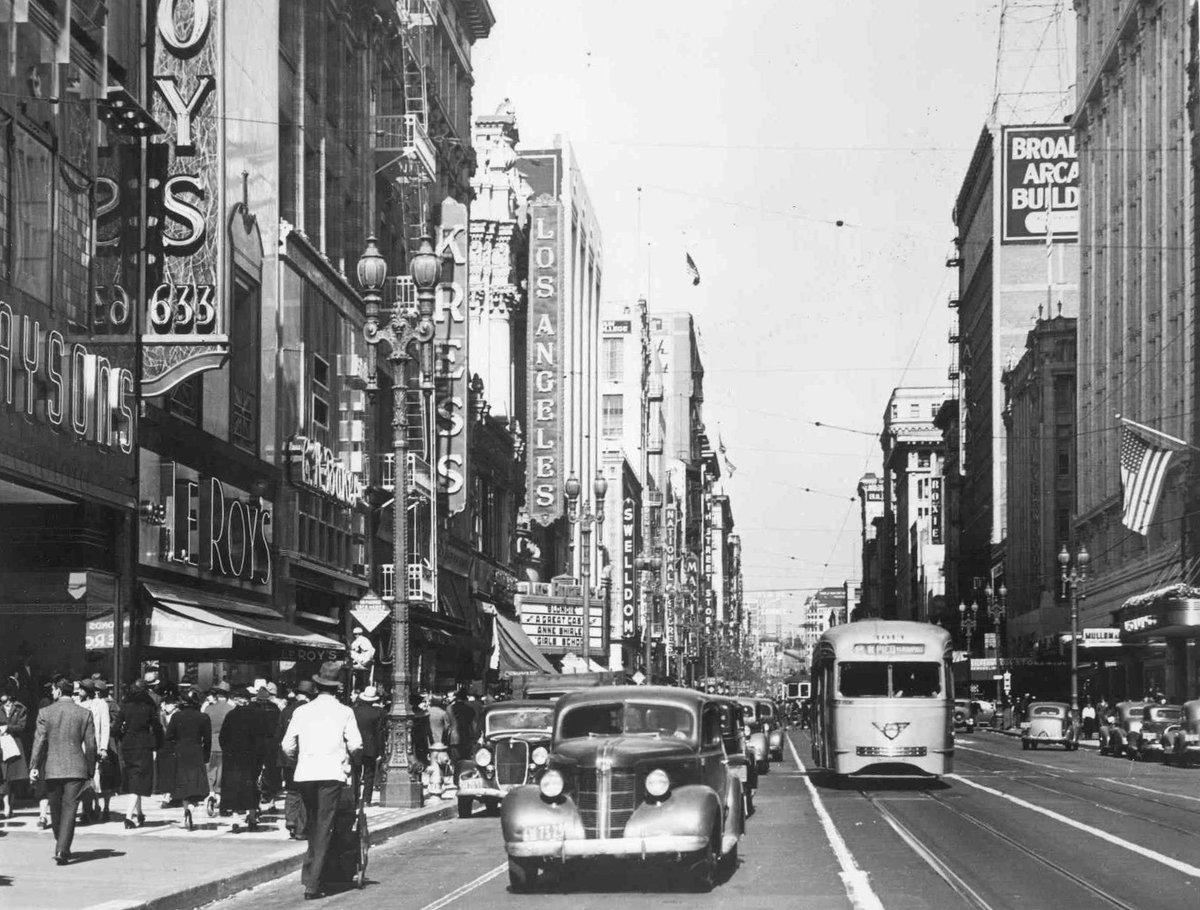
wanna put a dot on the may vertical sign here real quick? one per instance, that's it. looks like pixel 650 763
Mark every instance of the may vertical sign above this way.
pixel 544 456
pixel 186 328
pixel 450 357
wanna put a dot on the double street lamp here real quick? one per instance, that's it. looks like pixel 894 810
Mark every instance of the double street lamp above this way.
pixel 1075 579
pixel 400 330
pixel 593 513
pixel 967 620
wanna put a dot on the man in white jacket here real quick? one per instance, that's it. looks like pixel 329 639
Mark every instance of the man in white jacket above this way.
pixel 323 739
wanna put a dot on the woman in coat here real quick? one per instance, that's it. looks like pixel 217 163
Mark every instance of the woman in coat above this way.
pixel 143 737
pixel 189 738
pixel 241 759
pixel 14 769
pixel 164 765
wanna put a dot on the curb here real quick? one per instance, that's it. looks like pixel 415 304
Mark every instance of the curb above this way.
pixel 269 868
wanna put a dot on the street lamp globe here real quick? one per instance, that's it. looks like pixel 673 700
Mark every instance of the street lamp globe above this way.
pixel 599 487
pixel 1003 591
pixel 1064 556
pixel 1082 557
pixel 372 268
pixel 572 487
pixel 424 266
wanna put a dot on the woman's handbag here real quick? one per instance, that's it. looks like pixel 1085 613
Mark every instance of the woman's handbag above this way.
pixel 8 747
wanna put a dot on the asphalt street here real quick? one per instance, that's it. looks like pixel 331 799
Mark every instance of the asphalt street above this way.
pixel 1008 829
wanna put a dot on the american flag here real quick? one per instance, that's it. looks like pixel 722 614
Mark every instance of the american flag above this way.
pixel 1143 467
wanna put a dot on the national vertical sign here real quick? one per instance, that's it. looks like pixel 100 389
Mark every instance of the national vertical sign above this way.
pixel 545 480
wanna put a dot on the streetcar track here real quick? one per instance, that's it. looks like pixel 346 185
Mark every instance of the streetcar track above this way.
pixel 1115 811
pixel 961 887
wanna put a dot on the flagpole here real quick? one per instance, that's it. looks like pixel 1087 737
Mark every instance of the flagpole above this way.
pixel 1173 441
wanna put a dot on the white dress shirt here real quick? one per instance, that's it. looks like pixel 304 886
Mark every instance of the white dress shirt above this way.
pixel 320 738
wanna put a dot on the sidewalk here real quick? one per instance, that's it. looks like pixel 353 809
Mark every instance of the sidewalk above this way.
pixel 162 866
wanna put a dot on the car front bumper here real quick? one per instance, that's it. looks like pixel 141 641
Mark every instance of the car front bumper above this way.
pixel 654 845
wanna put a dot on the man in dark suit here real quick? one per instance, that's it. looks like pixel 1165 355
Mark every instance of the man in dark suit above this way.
pixel 64 756
pixel 369 717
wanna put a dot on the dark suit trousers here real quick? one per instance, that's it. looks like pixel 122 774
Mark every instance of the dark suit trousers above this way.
pixel 366 782
pixel 64 802
pixel 321 798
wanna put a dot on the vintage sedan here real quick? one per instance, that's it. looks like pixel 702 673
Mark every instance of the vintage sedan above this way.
pixel 756 736
pixel 1157 721
pixel 1051 723
pixel 772 722
pixel 1126 719
pixel 1181 743
pixel 741 761
pixel 964 717
pixel 513 751
pixel 636 774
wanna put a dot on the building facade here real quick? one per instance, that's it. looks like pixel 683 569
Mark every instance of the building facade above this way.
pixel 870 502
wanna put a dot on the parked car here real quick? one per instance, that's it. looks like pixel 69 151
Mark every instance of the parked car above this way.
pixel 741 761
pixel 513 750
pixel 756 736
pixel 635 773
pixel 1181 744
pixel 1051 723
pixel 983 711
pixel 1125 718
pixel 772 722
pixel 963 719
pixel 1157 721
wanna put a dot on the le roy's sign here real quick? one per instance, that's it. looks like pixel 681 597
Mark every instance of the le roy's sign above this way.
pixel 1040 184
pixel 545 353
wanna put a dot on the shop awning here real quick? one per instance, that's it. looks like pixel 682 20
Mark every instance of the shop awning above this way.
pixel 518 654
pixel 182 619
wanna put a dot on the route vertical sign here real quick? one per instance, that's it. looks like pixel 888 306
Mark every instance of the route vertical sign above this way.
pixel 545 469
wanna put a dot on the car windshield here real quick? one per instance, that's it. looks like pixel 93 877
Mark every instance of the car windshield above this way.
pixel 630 718
pixel 748 714
pixel 894 679
pixel 1047 710
pixel 1135 713
pixel 766 709
pixel 523 719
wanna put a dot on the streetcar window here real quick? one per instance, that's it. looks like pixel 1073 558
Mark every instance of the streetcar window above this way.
pixel 863 679
pixel 916 679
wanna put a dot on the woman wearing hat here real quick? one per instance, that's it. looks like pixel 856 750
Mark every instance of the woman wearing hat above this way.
pixel 241 750
pixel 14 769
pixel 189 735
pixel 142 738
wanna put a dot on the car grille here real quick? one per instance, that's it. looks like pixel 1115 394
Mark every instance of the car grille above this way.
pixel 891 751
pixel 512 762
pixel 617 789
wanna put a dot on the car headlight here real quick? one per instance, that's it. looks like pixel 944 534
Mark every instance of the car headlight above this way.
pixel 658 783
pixel 483 757
pixel 540 755
pixel 551 784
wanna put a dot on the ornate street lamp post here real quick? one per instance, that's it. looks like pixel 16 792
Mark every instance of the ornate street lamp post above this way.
pixel 966 619
pixel 649 566
pixel 401 331
pixel 585 520
pixel 996 608
pixel 1075 579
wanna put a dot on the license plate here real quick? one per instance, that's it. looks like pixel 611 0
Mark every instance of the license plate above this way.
pixel 543 832
pixel 470 783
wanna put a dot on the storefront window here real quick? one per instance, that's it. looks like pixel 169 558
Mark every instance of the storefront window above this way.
pixel 32 190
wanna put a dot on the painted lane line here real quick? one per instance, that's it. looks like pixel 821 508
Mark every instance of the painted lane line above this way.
pixel 854 879
pixel 1177 865
pixel 1024 761
pixel 467 888
pixel 1115 780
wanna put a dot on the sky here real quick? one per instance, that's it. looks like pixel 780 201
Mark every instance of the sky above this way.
pixel 807 154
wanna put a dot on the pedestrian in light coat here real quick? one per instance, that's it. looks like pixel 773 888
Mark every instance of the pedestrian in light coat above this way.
pixel 324 741
pixel 294 817
pixel 64 755
pixel 14 769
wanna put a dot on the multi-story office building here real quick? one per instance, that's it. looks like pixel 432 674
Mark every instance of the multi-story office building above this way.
pixel 1137 318
pixel 1039 421
pixel 913 505
pixel 870 501
pixel 1019 197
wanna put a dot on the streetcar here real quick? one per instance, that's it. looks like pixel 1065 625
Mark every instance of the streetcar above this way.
pixel 883 700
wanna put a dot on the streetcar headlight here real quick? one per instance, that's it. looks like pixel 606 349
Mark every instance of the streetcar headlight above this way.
pixel 483 757
pixel 551 784
pixel 658 783
pixel 540 756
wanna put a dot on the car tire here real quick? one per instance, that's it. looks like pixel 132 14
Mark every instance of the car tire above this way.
pixel 522 875
pixel 699 872
pixel 748 802
pixel 466 805
pixel 764 766
pixel 1024 745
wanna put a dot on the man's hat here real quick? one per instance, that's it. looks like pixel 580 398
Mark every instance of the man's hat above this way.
pixel 306 687
pixel 222 687
pixel 241 692
pixel 369 694
pixel 101 685
pixel 326 682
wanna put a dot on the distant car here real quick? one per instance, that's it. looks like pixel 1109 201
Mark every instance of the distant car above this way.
pixel 1050 724
pixel 963 718
pixel 756 736
pixel 513 751
pixel 635 774
pixel 983 712
pixel 772 723
pixel 1181 744
pixel 1157 722
pixel 1115 731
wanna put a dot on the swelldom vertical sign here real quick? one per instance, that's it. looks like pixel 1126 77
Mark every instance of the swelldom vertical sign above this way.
pixel 186 327
pixel 545 479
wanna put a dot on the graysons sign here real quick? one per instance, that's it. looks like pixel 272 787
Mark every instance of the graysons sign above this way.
pixel 545 473
pixel 320 469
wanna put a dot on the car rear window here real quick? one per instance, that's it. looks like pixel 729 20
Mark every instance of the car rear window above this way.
pixel 1166 714
pixel 525 719
pixel 1047 710
pixel 897 679
pixel 628 718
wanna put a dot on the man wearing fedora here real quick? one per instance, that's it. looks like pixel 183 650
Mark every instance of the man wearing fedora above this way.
pixel 324 741
pixel 370 718
pixel 217 710
pixel 64 756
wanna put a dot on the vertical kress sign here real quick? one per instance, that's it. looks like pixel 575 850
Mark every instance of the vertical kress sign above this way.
pixel 545 471
pixel 185 323
pixel 450 357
